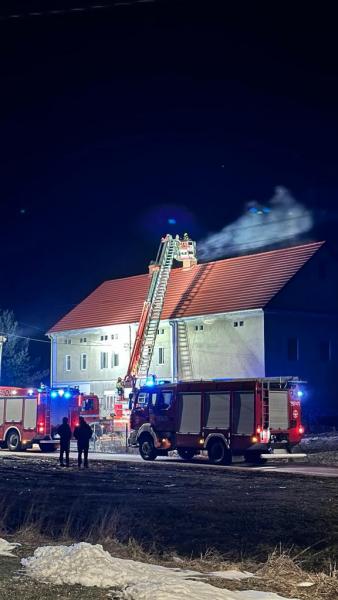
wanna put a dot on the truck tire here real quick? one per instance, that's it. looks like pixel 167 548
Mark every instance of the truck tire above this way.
pixel 47 447
pixel 13 441
pixel 218 453
pixel 186 453
pixel 147 448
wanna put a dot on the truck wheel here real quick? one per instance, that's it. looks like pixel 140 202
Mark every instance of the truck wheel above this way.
pixel 218 453
pixel 147 448
pixel 47 447
pixel 186 453
pixel 13 440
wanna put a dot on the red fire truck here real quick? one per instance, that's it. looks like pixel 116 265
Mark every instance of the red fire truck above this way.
pixel 32 416
pixel 256 418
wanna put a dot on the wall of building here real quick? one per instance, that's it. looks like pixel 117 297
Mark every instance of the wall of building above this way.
pixel 230 345
pixel 305 345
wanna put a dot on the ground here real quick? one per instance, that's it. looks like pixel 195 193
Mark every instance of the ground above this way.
pixel 171 506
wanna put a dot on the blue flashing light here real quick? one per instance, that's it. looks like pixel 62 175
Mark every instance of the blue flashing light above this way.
pixel 150 381
pixel 61 392
pixel 68 395
pixel 300 394
pixel 54 394
pixel 172 221
pixel 30 392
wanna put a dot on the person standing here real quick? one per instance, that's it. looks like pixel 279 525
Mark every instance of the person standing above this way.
pixel 82 433
pixel 65 434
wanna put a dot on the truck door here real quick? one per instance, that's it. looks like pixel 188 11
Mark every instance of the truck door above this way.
pixel 14 410
pixel 30 412
pixel 161 410
pixel 217 412
pixel 243 418
pixel 189 418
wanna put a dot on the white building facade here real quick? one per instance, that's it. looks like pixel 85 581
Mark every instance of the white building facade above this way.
pixel 220 345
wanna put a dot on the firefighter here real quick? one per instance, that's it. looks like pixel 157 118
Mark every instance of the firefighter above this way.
pixel 120 387
pixel 65 434
pixel 186 238
pixel 82 433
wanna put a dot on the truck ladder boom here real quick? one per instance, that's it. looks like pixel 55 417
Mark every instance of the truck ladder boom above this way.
pixel 170 249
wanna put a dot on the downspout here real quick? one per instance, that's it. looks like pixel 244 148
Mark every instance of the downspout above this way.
pixel 174 351
pixel 53 359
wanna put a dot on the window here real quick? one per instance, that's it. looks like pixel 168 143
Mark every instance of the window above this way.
pixel 115 336
pixel 115 360
pixel 83 362
pixel 199 327
pixel 67 362
pixel 235 323
pixel 293 350
pixel 160 331
pixel 104 360
pixel 241 323
pixel 104 338
pixel 67 341
pixel 83 340
pixel 166 399
pixel 325 351
pixel 161 356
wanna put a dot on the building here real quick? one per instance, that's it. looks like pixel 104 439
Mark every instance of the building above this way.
pixel 267 314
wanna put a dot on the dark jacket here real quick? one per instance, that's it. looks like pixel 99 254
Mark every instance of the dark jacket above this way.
pixel 82 434
pixel 65 433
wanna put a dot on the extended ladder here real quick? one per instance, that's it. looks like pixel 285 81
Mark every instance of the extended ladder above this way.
pixel 170 249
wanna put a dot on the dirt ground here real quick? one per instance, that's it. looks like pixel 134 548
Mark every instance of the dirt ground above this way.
pixel 172 507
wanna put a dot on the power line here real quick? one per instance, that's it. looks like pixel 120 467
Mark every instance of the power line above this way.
pixel 73 9
pixel 25 337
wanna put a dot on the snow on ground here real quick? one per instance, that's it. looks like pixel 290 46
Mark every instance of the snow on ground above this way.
pixel 90 565
pixel 6 548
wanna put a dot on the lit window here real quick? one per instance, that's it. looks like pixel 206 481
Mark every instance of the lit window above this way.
pixel 115 360
pixel 67 362
pixel 161 356
pixel 293 349
pixel 325 351
pixel 83 362
pixel 104 360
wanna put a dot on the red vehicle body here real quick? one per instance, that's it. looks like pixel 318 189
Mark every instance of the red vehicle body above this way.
pixel 256 418
pixel 30 416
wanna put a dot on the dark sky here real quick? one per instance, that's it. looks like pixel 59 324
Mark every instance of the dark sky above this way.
pixel 114 120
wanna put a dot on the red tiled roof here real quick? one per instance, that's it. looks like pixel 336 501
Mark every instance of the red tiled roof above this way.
pixel 240 283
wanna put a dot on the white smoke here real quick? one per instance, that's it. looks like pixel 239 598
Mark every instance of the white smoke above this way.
pixel 281 218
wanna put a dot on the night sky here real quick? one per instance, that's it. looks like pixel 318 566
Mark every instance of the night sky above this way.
pixel 115 120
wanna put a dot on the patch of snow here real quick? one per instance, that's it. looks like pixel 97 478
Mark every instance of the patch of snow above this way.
pixel 232 574
pixel 305 584
pixel 90 565
pixel 6 548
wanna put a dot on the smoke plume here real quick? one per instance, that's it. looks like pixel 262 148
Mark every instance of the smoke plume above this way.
pixel 282 218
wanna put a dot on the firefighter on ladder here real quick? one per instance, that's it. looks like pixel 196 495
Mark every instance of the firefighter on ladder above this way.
pixel 120 387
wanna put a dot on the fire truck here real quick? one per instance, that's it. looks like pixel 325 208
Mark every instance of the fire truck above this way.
pixel 256 418
pixel 32 416
pixel 259 419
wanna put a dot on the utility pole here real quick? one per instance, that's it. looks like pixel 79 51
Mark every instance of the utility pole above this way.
pixel 3 339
